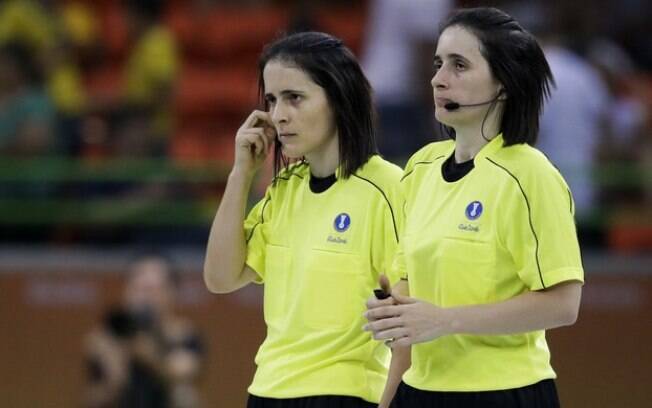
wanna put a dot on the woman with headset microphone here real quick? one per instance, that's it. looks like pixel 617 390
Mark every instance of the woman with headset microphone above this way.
pixel 489 255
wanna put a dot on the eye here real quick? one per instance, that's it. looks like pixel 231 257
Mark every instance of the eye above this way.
pixel 437 65
pixel 269 99
pixel 460 66
pixel 293 97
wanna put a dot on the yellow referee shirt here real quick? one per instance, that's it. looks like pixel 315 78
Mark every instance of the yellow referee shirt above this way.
pixel 503 229
pixel 319 256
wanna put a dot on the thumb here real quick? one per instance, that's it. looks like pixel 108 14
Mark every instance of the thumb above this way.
pixel 384 284
pixel 403 300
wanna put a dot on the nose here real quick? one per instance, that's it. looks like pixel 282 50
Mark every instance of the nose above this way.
pixel 440 79
pixel 279 114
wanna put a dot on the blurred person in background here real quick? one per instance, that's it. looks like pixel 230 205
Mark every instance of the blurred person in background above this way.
pixel 322 235
pixel 627 140
pixel 144 354
pixel 575 119
pixel 27 115
pixel 129 115
pixel 149 75
pixel 397 59
pixel 577 109
pixel 52 33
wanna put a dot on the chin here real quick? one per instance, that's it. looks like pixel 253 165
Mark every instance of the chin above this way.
pixel 291 153
pixel 446 119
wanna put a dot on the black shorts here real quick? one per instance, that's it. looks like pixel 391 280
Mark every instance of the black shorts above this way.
pixel 321 401
pixel 540 395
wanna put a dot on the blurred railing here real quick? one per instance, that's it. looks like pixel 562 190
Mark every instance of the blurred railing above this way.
pixel 53 198
pixel 132 194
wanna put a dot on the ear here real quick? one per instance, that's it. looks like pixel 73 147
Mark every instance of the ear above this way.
pixel 502 94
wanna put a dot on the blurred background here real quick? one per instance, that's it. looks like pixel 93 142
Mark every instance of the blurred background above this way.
pixel 117 121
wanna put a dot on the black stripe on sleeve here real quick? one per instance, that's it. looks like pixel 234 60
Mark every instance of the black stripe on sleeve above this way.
pixel 262 220
pixel 421 162
pixel 529 212
pixel 391 210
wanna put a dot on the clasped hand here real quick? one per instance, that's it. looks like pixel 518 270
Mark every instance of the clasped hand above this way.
pixel 403 321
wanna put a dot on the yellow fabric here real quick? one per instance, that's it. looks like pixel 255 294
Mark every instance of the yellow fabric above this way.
pixel 151 69
pixel 27 22
pixel 455 252
pixel 66 89
pixel 317 280
pixel 151 65
pixel 79 23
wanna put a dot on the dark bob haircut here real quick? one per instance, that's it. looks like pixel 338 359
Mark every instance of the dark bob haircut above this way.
pixel 517 61
pixel 332 66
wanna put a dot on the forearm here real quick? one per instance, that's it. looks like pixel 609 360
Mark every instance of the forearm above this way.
pixel 226 250
pixel 401 360
pixel 530 311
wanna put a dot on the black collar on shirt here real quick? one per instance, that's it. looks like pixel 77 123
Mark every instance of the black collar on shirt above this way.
pixel 321 184
pixel 452 171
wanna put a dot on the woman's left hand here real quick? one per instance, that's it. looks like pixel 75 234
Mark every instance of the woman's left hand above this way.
pixel 407 322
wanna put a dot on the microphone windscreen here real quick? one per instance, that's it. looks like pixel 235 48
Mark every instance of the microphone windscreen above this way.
pixel 452 106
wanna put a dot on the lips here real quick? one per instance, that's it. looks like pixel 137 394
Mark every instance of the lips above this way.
pixel 285 136
pixel 441 102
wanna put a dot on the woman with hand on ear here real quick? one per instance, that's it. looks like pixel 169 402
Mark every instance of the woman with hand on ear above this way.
pixel 322 234
pixel 489 253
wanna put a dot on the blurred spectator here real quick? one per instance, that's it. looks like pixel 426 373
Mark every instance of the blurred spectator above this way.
pixel 144 354
pixel 26 22
pixel 574 123
pixel 26 112
pixel 56 35
pixel 627 136
pixel 77 44
pixel 152 64
pixel 398 60
pixel 575 116
pixel 130 113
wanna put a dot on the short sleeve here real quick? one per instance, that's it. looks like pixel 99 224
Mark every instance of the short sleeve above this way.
pixel 399 269
pixel 540 232
pixel 255 228
pixel 386 239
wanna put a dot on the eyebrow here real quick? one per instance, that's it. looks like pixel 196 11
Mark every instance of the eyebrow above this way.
pixel 452 56
pixel 286 92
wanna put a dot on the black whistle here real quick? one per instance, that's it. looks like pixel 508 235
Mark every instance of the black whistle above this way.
pixel 381 294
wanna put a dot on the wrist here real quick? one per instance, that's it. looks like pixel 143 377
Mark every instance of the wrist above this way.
pixel 453 320
pixel 241 175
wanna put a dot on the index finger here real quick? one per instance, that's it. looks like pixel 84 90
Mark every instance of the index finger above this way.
pixel 257 116
pixel 374 302
pixel 382 312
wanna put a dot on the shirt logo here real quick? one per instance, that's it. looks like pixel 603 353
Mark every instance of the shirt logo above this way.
pixel 474 210
pixel 342 222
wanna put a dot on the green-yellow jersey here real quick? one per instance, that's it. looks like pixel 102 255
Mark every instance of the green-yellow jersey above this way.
pixel 319 256
pixel 505 228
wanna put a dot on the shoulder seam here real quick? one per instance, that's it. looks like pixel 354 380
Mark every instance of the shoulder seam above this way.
pixel 262 220
pixel 529 212
pixel 391 210
pixel 421 162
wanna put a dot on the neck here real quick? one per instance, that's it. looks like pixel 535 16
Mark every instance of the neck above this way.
pixel 325 162
pixel 469 140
